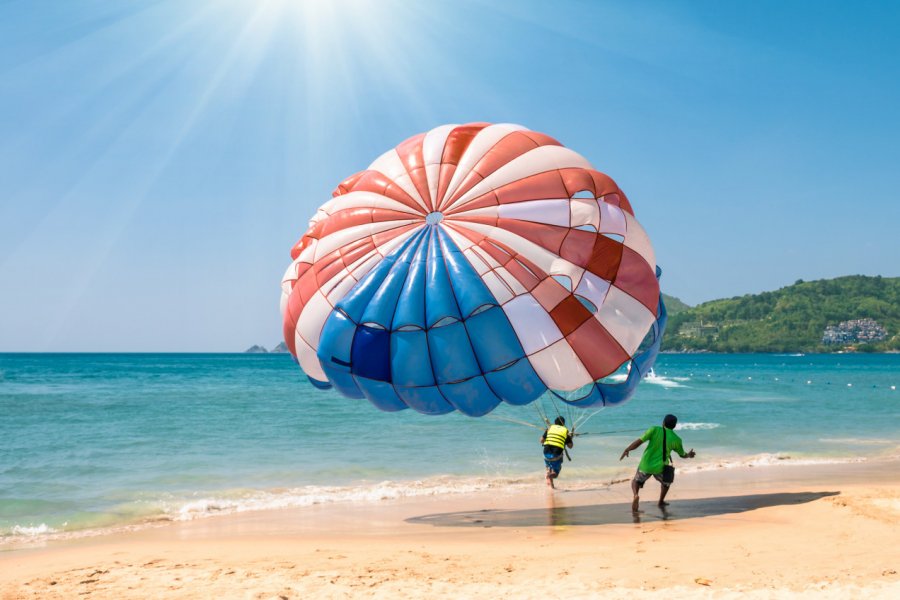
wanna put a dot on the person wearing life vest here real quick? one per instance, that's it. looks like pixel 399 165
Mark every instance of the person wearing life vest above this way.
pixel 656 461
pixel 556 439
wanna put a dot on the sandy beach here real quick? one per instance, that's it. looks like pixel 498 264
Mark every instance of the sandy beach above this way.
pixel 308 299
pixel 776 531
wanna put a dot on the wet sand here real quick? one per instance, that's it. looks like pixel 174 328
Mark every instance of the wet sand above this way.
pixel 776 531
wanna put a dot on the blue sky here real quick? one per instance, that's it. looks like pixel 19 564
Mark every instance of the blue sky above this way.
pixel 159 159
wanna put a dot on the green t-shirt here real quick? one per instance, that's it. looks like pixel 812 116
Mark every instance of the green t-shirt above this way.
pixel 652 460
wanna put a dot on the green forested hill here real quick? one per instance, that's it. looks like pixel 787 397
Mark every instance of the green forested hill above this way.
pixel 674 305
pixel 791 319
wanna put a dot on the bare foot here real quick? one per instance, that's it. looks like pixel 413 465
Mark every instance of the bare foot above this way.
pixel 662 504
pixel 634 504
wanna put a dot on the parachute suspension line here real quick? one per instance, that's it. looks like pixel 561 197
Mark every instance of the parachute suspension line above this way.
pixel 571 416
pixel 610 432
pixel 540 412
pixel 555 406
pixel 588 417
pixel 508 420
pixel 592 415
pixel 580 421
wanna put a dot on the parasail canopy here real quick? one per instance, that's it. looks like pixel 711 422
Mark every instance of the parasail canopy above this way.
pixel 472 265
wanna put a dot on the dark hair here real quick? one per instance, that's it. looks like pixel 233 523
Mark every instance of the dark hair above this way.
pixel 560 421
pixel 670 421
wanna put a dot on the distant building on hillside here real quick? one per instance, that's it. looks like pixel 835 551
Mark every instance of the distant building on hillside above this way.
pixel 833 335
pixel 699 330
pixel 857 330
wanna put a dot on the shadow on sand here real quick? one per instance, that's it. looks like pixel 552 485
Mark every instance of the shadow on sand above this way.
pixel 607 514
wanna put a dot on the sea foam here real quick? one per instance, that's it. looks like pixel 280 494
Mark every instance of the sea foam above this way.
pixel 654 378
pixel 697 426
pixel 769 459
pixel 31 530
pixel 312 495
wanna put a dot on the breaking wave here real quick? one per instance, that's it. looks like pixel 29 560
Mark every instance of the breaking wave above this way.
pixel 697 426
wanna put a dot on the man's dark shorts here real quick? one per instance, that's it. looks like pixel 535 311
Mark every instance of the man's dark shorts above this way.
pixel 553 459
pixel 641 478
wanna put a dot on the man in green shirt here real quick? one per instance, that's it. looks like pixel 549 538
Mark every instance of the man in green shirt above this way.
pixel 655 458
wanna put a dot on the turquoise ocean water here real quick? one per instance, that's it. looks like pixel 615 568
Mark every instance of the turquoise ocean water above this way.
pixel 96 441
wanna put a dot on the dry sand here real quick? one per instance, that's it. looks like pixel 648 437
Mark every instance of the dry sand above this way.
pixel 780 531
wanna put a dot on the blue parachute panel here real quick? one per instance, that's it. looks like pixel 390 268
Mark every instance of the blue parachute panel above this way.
pixel 410 310
pixel 468 288
pixel 383 304
pixel 594 395
pixel 452 357
pixel 410 359
pixel 371 354
pixel 426 400
pixel 493 339
pixel 334 355
pixel 381 394
pixel 359 297
pixel 517 384
pixel 472 397
pixel 322 385
pixel 440 303
pixel 336 340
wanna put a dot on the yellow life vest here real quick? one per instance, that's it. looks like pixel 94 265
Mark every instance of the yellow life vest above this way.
pixel 556 436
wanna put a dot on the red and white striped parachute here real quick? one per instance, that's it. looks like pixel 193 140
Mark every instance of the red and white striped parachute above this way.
pixel 470 265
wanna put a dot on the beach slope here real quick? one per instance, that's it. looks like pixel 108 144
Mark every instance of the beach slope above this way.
pixel 779 531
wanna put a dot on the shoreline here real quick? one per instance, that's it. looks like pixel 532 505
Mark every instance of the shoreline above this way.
pixel 831 522
pixel 218 505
